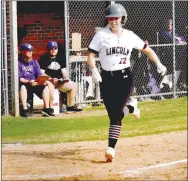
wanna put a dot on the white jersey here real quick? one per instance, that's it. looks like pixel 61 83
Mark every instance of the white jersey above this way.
pixel 114 52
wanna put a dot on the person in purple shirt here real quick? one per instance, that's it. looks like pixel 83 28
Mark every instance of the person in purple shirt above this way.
pixel 29 70
pixel 166 54
pixel 168 35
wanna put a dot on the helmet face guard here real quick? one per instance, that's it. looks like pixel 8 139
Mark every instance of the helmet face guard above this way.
pixel 117 10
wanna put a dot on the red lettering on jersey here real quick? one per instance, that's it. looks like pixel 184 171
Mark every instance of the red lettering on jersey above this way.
pixel 123 61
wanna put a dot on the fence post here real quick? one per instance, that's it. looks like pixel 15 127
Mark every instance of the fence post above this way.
pixel 66 19
pixel 174 50
pixel 66 33
pixel 14 57
pixel 4 68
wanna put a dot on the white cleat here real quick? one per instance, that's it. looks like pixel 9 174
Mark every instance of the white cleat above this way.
pixel 109 154
pixel 136 113
pixel 134 103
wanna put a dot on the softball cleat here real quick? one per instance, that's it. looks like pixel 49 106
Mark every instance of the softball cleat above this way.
pixel 109 154
pixel 134 103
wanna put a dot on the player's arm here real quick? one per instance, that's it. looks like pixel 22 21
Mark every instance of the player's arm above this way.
pixel 20 74
pixel 153 57
pixel 151 54
pixel 139 44
pixel 91 62
pixel 64 73
pixel 43 64
pixel 43 72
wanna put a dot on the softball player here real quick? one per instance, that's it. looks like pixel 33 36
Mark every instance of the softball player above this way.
pixel 114 45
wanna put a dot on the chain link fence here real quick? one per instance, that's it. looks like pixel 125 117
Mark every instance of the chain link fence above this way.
pixel 84 19
pixel 150 21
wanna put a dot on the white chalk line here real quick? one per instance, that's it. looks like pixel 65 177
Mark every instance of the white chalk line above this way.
pixel 130 172
pixel 35 176
pixel 139 170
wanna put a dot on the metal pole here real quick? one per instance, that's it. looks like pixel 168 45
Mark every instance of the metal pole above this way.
pixel 66 19
pixel 5 78
pixel 66 29
pixel 174 49
pixel 157 42
pixel 14 57
pixel 0 56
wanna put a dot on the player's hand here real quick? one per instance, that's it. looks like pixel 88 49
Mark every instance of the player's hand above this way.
pixel 61 82
pixel 96 77
pixel 54 81
pixel 161 69
pixel 33 83
pixel 45 83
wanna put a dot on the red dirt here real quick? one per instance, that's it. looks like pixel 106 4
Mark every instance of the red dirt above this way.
pixel 85 160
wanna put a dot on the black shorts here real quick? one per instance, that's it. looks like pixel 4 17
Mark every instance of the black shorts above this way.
pixel 38 89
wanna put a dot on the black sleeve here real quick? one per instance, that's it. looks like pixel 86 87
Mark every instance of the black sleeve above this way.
pixel 44 61
pixel 62 60
pixel 61 55
pixel 93 51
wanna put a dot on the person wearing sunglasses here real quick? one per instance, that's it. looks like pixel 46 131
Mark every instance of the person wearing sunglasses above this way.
pixel 53 64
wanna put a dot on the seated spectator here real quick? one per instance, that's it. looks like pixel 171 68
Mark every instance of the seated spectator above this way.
pixel 168 35
pixel 166 54
pixel 29 70
pixel 53 64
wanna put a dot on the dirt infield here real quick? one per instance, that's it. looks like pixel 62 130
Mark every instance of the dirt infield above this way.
pixel 156 157
pixel 102 112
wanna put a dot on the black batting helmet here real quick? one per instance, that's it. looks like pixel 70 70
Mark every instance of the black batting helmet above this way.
pixel 117 10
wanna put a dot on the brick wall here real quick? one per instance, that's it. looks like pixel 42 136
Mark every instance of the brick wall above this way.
pixel 40 29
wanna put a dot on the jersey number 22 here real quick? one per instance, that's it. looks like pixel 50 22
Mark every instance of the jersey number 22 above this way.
pixel 123 61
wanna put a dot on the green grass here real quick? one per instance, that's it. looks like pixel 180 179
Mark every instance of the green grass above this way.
pixel 156 117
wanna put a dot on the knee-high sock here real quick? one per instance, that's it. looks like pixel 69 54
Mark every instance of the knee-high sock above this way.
pixel 114 133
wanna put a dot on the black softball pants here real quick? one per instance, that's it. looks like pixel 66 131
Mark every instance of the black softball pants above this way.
pixel 116 88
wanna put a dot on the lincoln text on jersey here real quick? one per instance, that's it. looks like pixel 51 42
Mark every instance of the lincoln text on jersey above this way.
pixel 117 50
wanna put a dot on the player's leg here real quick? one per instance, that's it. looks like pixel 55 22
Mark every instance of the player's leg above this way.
pixel 23 96
pixel 106 88
pixel 71 89
pixel 111 97
pixel 131 105
pixel 115 93
pixel 43 93
pixel 23 100
pixel 51 93
pixel 132 108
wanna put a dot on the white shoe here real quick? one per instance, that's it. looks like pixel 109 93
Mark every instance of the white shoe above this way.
pixel 109 154
pixel 133 102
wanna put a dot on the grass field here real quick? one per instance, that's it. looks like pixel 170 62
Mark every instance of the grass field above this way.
pixel 156 117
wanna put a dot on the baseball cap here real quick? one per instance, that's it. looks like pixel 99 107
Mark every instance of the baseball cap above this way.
pixel 26 46
pixel 52 44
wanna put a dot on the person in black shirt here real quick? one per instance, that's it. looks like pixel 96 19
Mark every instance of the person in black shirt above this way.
pixel 53 64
